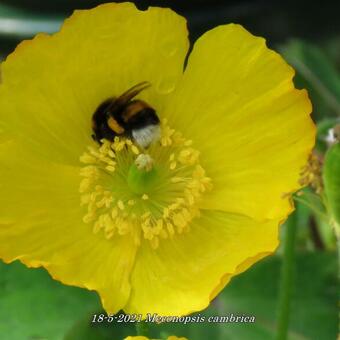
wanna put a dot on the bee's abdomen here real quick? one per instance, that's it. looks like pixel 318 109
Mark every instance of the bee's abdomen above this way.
pixel 145 117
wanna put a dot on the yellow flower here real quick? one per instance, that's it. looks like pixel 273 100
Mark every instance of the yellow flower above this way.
pixel 235 134
pixel 172 337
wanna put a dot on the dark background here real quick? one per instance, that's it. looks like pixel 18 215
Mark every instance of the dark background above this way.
pixel 275 20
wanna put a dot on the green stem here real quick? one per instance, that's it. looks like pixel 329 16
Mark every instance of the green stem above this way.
pixel 337 235
pixel 142 328
pixel 286 277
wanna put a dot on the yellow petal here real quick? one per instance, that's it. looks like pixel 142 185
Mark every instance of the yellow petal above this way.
pixel 238 104
pixel 53 84
pixel 138 337
pixel 183 274
pixel 41 225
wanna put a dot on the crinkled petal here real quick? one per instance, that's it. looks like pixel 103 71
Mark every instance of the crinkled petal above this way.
pixel 41 225
pixel 237 102
pixel 53 84
pixel 185 273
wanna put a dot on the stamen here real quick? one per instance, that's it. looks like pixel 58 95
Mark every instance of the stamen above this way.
pixel 149 196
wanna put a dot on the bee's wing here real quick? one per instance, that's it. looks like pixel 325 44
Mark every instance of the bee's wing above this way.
pixel 133 91
pixel 128 95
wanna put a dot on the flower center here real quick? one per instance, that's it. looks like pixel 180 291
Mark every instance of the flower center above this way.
pixel 150 196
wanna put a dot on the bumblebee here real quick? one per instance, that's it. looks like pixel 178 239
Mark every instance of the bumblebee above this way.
pixel 125 116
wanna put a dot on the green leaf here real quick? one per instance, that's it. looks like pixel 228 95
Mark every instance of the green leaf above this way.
pixel 312 201
pixel 255 292
pixel 317 71
pixel 326 233
pixel 85 329
pixel 34 306
pixel 331 177
pixel 314 302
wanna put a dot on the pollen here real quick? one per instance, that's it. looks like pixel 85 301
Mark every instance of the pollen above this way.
pixel 170 181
